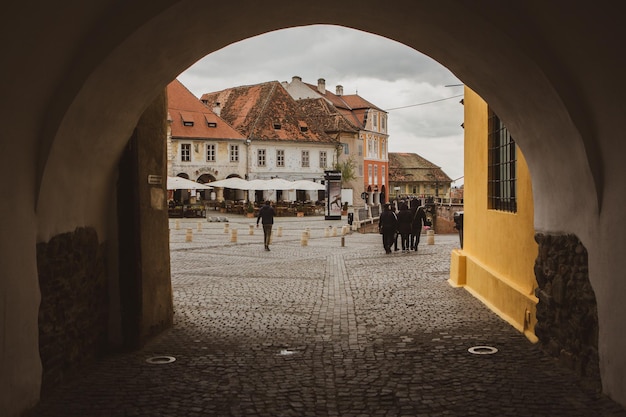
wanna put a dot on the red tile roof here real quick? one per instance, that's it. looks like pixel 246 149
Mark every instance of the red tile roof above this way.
pixel 267 112
pixel 183 106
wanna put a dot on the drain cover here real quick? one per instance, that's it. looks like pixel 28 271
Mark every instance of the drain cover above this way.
pixel 482 350
pixel 159 360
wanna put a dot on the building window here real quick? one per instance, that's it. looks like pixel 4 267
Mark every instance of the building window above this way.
pixel 360 149
pixel 374 120
pixel 369 174
pixel 360 170
pixel 383 123
pixel 383 176
pixel 346 149
pixel 277 126
pixel 234 153
pixel 305 159
pixel 212 124
pixel 210 152
pixel 375 174
pixel 280 158
pixel 323 159
pixel 261 157
pixel 185 152
pixel 502 192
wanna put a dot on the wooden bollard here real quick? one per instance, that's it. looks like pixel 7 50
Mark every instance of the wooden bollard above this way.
pixel 251 231
pixel 233 236
pixel 430 237
pixel 189 235
pixel 177 224
pixel 226 227
pixel 304 240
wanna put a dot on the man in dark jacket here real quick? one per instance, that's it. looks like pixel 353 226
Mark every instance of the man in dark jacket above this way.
pixel 266 216
pixel 388 225
pixel 405 219
pixel 419 219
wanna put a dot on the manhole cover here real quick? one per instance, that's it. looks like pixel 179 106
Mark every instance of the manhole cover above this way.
pixel 159 360
pixel 482 350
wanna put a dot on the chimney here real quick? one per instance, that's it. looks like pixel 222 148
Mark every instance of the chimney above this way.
pixel 216 108
pixel 339 90
pixel 321 86
pixel 296 78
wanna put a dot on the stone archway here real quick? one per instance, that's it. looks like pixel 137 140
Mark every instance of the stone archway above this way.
pixel 552 84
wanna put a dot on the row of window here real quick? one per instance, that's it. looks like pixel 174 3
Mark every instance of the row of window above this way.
pixel 185 155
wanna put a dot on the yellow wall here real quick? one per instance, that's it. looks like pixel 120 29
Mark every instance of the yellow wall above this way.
pixel 499 249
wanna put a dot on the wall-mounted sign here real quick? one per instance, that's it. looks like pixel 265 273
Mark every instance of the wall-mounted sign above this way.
pixel 155 179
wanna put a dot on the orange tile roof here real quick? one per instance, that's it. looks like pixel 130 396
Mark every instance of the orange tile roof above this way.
pixel 266 111
pixel 183 107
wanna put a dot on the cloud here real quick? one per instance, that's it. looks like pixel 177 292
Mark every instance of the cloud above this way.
pixel 386 73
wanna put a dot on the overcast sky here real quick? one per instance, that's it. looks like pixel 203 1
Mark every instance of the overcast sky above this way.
pixel 386 73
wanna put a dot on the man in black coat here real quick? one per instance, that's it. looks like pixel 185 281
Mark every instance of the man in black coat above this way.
pixel 266 216
pixel 387 226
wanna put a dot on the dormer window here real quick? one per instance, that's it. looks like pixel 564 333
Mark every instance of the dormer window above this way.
pixel 212 124
pixel 303 127
pixel 277 126
pixel 187 118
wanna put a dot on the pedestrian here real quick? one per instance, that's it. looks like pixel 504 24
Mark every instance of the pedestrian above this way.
pixel 387 226
pixel 419 219
pixel 266 217
pixel 405 220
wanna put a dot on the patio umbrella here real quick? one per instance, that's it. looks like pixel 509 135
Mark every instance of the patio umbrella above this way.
pixel 308 185
pixel 180 183
pixel 232 182
pixel 273 184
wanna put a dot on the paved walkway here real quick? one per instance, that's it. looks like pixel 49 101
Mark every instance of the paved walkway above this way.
pixel 323 330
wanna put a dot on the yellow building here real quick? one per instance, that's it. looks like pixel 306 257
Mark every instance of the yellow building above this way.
pixel 499 250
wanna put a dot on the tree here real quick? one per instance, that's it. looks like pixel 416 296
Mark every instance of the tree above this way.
pixel 347 169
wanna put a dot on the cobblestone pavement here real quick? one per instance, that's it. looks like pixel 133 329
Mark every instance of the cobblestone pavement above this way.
pixel 323 330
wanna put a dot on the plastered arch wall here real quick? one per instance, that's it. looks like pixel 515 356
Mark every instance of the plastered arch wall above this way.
pixel 81 77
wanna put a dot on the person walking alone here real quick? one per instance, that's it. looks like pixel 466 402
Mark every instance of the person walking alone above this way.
pixel 266 217
pixel 387 226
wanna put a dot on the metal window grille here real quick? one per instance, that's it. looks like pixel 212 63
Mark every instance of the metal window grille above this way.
pixel 502 175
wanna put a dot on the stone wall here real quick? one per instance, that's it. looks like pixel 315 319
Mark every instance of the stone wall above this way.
pixel 74 305
pixel 567 317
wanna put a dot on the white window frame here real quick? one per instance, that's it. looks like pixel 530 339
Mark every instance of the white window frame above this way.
pixel 261 157
pixel 185 152
pixel 305 160
pixel 280 157
pixel 234 153
pixel 210 152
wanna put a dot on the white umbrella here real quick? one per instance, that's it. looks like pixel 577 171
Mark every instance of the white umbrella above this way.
pixel 232 182
pixel 308 185
pixel 273 184
pixel 180 183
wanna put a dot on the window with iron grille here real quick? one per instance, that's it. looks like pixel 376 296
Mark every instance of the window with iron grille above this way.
pixel 185 152
pixel 280 158
pixel 323 159
pixel 502 193
pixel 261 157
pixel 234 153
pixel 210 152
pixel 305 158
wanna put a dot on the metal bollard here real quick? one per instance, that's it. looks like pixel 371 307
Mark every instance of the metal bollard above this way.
pixel 343 241
pixel 189 236
pixel 251 229
pixel 430 237
pixel 226 227
pixel 233 236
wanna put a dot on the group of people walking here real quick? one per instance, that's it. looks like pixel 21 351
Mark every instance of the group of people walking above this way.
pixel 406 224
